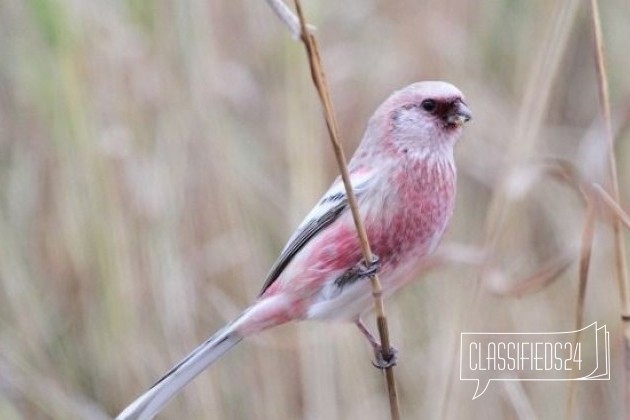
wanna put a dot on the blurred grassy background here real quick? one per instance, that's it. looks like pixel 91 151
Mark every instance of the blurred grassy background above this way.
pixel 155 155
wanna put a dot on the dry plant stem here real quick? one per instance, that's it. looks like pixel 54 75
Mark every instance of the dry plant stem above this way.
pixel 614 187
pixel 612 205
pixel 541 278
pixel 533 110
pixel 319 80
pixel 622 269
pixel 286 16
pixel 585 262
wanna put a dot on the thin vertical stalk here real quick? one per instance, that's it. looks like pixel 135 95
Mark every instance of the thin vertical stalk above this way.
pixel 620 251
pixel 585 262
pixel 319 79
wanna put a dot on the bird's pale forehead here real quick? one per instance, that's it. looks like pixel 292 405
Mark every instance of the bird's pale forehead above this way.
pixel 435 90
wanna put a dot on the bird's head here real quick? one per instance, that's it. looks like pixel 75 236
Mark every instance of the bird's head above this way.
pixel 422 117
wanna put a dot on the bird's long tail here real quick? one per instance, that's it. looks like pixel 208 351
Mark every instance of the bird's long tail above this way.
pixel 151 402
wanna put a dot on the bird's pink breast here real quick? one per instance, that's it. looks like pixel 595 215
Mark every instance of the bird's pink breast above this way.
pixel 416 214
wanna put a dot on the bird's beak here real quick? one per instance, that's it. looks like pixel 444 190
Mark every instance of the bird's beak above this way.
pixel 458 114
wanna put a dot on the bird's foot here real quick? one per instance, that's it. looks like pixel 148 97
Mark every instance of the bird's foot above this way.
pixel 368 270
pixel 359 271
pixel 381 362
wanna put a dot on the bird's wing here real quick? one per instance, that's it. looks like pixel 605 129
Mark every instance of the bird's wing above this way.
pixel 328 209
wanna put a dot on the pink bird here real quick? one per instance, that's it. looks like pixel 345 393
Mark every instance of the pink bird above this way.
pixel 404 176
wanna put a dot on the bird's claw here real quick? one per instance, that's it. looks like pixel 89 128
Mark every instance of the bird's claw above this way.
pixel 368 270
pixel 380 362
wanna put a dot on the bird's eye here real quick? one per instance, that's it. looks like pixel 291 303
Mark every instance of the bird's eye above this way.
pixel 429 105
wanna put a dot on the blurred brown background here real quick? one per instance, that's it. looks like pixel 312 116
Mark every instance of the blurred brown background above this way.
pixel 155 155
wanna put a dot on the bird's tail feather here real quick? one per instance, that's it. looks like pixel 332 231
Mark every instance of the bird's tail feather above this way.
pixel 151 402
